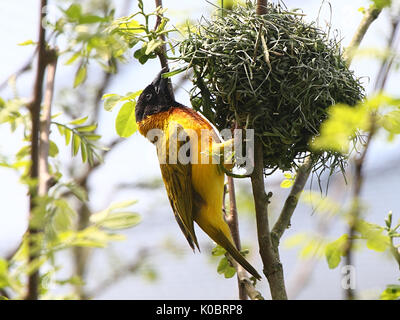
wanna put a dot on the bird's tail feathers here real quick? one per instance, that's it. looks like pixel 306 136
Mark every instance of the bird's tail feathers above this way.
pixel 227 244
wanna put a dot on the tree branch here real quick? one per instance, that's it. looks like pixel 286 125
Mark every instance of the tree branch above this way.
pixel 44 175
pixel 369 17
pixel 360 160
pixel 290 205
pixel 272 266
pixel 261 7
pixel 233 223
pixel 162 50
pixel 34 107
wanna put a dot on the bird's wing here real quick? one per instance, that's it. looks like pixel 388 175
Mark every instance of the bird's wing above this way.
pixel 178 183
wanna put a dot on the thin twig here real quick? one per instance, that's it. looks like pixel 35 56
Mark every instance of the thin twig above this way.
pixel 162 50
pixel 233 223
pixel 33 279
pixel 360 161
pixel 44 175
pixel 290 205
pixel 369 17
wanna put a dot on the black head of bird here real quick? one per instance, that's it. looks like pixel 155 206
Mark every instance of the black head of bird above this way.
pixel 155 98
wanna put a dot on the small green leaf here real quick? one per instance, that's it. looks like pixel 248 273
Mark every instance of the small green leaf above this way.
pixel 93 137
pixel 78 121
pixel 27 43
pixel 53 149
pixel 80 76
pixel 391 122
pixel 125 124
pixel 286 183
pixel 392 292
pixel 120 220
pixel 83 152
pixel 152 45
pixel 173 73
pixel 131 95
pixel 335 250
pixel 218 251
pixel 74 11
pixel 111 101
pixel 76 141
pixel 71 60
pixel 67 135
pixel 88 128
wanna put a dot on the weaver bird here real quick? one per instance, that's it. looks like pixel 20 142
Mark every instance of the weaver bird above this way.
pixel 195 189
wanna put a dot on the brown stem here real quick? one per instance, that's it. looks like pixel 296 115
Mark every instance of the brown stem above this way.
pixel 33 279
pixel 369 17
pixel 359 161
pixel 261 7
pixel 270 257
pixel 162 50
pixel 44 175
pixel 290 205
pixel 233 223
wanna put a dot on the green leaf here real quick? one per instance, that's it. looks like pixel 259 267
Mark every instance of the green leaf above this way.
pixel 286 183
pixel 76 141
pixel 391 122
pixel 373 233
pixel 218 251
pixel 120 220
pixel 131 95
pixel 111 101
pixel 392 292
pixel 67 135
pixel 224 267
pixel 78 121
pixel 75 56
pixel 335 250
pixel 80 76
pixel 125 124
pixel 382 3
pixel 152 45
pixel 123 204
pixel 134 26
pixel 27 43
pixel 4 282
pixel 83 152
pixel 343 123
pixel 88 19
pixel 74 11
pixel 173 73
pixel 88 128
pixel 93 137
pixel 53 149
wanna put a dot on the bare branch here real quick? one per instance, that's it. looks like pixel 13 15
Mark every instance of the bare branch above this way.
pixel 44 175
pixel 369 17
pixel 290 205
pixel 162 50
pixel 272 266
pixel 261 7
pixel 360 160
pixel 33 279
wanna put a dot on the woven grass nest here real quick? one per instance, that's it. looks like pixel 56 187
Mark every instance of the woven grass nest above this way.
pixel 274 73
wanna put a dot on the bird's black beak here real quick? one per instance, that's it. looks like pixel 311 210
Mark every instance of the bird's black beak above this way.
pixel 161 84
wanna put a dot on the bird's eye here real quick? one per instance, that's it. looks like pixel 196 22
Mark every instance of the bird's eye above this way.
pixel 148 96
